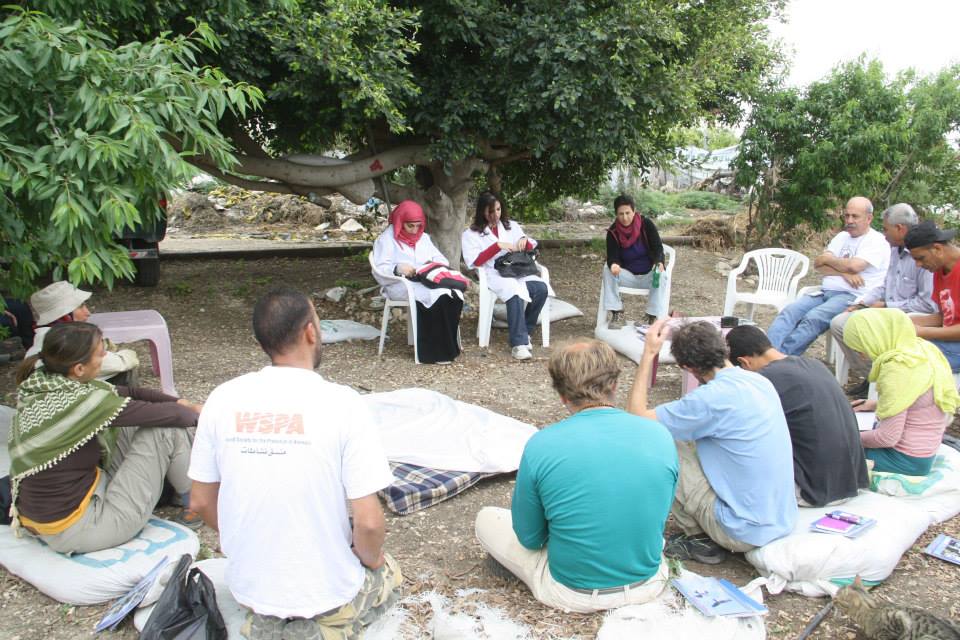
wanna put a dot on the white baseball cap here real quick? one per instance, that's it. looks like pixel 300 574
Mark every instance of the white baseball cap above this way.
pixel 57 300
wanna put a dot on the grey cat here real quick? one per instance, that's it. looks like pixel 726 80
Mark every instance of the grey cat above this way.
pixel 881 620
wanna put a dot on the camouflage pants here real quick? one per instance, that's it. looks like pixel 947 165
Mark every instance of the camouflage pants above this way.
pixel 380 591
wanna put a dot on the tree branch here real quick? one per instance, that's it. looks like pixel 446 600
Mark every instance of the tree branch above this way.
pixel 272 187
pixel 245 143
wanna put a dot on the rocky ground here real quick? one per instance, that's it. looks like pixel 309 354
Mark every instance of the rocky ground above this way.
pixel 207 305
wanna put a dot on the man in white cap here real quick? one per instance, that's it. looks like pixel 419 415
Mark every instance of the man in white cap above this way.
pixel 63 302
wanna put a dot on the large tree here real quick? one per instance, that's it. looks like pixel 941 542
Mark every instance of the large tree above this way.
pixel 541 96
pixel 106 100
pixel 855 132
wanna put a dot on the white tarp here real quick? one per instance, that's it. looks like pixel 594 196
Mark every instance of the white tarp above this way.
pixel 429 429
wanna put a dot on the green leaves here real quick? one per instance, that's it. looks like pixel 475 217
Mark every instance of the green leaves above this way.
pixel 87 135
pixel 856 132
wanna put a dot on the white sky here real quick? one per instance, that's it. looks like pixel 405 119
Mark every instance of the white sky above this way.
pixel 923 34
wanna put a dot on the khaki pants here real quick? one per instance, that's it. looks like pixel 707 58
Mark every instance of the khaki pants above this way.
pixel 694 506
pixel 494 529
pixel 380 591
pixel 859 366
pixel 128 491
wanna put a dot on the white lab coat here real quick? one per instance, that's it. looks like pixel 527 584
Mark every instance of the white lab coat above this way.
pixel 388 253
pixel 474 244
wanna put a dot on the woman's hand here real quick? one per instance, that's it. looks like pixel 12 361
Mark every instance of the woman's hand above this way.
pixel 615 269
pixel 522 244
pixel 406 270
pixel 507 246
pixel 864 405
pixel 190 405
pixel 661 267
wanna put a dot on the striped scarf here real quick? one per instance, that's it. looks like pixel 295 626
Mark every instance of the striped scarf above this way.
pixel 55 417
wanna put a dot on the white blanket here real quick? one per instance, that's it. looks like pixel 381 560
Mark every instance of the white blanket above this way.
pixel 429 429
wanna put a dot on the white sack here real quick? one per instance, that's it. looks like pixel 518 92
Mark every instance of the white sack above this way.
pixel 559 310
pixel 100 576
pixel 628 342
pixel 818 564
pixel 429 429
pixel 342 330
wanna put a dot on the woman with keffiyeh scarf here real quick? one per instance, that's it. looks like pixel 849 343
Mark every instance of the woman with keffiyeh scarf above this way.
pixel 404 249
pixel 78 482
pixel 634 254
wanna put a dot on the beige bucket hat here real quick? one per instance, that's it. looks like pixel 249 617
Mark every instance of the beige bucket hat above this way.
pixel 56 300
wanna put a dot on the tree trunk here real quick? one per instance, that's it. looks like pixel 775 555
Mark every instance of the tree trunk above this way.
pixel 444 198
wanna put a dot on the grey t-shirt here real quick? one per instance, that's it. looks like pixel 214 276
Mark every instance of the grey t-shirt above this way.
pixel 828 461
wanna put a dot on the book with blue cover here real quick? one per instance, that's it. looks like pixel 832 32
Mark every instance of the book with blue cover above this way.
pixel 944 547
pixel 717 597
pixel 121 607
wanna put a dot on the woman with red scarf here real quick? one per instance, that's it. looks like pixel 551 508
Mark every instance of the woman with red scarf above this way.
pixel 634 254
pixel 404 250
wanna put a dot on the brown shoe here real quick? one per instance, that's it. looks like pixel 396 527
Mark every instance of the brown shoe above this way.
pixel 188 518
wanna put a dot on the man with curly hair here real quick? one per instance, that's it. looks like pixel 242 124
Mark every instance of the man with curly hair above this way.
pixel 735 490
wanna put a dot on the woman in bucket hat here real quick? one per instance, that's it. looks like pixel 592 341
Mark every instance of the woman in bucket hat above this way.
pixel 63 302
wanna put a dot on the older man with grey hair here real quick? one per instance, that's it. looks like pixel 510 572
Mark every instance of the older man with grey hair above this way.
pixel 907 286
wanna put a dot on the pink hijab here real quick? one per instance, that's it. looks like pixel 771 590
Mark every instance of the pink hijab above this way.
pixel 407 211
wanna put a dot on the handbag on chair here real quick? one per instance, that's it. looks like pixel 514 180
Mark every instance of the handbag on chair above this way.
pixel 517 264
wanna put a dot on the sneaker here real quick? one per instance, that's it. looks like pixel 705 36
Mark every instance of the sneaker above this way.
pixel 189 519
pixel 699 547
pixel 260 627
pixel 521 352
pixel 616 320
pixel 858 390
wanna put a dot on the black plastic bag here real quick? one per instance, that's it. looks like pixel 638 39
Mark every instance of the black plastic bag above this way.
pixel 187 608
pixel 517 264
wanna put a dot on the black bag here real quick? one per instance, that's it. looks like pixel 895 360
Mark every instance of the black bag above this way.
pixel 5 500
pixel 517 264
pixel 187 608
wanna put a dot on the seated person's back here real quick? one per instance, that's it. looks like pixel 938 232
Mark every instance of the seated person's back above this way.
pixel 828 460
pixel 605 480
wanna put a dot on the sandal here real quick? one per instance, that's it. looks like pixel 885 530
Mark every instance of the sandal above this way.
pixel 189 519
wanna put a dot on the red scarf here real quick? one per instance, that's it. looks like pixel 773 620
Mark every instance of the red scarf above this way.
pixel 628 236
pixel 407 211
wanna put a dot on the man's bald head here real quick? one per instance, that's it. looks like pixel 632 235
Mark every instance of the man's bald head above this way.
pixel 857 216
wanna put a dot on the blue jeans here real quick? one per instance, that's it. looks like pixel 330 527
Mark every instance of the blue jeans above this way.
pixel 656 303
pixel 951 350
pixel 798 325
pixel 521 323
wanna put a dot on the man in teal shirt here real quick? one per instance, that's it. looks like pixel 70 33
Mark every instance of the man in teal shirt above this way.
pixel 585 531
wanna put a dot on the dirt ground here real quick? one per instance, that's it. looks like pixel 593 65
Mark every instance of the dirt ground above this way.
pixel 207 305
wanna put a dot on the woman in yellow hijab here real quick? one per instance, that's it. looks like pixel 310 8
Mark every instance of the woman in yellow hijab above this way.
pixel 915 387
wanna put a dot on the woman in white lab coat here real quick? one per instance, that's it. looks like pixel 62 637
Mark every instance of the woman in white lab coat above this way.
pixel 402 249
pixel 492 235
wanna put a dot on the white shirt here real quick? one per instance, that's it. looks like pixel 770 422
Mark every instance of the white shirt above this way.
pixel 388 253
pixel 475 243
pixel 288 449
pixel 872 247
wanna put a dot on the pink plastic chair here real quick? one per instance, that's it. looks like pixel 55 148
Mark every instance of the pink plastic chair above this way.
pixel 147 324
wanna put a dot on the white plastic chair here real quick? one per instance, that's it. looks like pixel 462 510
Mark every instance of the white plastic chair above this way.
pixel 777 281
pixel 410 304
pixel 670 256
pixel 488 299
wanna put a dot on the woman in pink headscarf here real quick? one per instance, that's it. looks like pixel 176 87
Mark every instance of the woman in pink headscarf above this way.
pixel 405 250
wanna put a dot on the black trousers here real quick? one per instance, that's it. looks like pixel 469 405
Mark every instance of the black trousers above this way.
pixel 437 330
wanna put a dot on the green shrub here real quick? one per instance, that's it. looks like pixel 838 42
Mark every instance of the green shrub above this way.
pixel 705 200
pixel 652 203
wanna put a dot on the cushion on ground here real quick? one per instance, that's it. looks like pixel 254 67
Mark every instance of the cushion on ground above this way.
pixel 817 564
pixel 343 330
pixel 628 342
pixel 559 310
pixel 429 429
pixel 101 576
pixel 937 493
pixel 415 488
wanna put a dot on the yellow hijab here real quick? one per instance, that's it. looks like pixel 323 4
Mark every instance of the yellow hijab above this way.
pixel 904 366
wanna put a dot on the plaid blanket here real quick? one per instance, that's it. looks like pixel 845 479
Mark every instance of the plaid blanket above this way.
pixel 415 488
